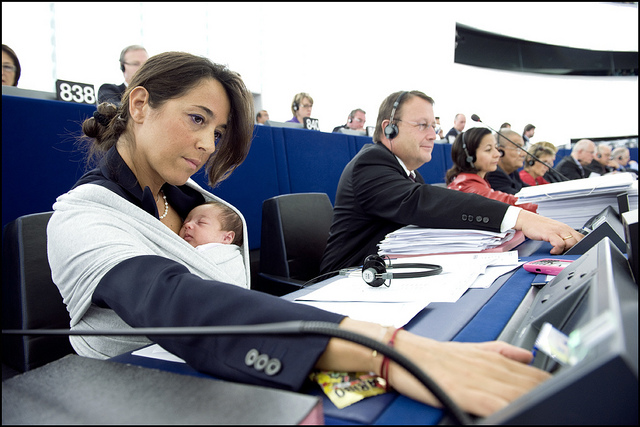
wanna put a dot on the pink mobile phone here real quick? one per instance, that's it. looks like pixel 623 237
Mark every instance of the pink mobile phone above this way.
pixel 547 266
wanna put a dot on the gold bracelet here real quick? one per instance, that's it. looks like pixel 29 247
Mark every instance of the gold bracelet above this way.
pixel 374 353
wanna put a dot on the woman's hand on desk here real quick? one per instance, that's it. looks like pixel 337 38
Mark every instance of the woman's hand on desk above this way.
pixel 537 227
pixel 480 377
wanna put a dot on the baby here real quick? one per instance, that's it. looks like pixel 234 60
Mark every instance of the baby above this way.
pixel 216 229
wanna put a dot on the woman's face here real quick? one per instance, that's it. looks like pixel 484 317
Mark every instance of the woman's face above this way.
pixel 8 76
pixel 487 155
pixel 539 169
pixel 304 109
pixel 175 141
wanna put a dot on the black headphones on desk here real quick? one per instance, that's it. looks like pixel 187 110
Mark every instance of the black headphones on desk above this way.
pixel 374 270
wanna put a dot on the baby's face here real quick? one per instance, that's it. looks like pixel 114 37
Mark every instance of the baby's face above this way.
pixel 202 226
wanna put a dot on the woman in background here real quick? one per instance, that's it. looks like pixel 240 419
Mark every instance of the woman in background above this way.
pixel 474 154
pixel 534 171
pixel 10 67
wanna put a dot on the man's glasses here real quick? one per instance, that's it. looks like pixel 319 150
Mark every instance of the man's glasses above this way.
pixel 132 64
pixel 306 105
pixel 422 127
pixel 9 68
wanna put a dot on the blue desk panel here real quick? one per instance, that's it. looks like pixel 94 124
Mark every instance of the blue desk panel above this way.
pixel 40 160
pixel 314 161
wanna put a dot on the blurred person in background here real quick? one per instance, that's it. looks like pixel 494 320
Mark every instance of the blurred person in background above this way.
pixel 131 58
pixel 10 67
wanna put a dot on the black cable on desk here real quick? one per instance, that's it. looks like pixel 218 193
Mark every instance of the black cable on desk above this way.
pixel 289 328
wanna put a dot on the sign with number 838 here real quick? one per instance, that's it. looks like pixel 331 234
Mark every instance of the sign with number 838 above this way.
pixel 82 93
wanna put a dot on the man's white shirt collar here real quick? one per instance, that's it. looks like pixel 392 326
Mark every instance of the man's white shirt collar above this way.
pixel 407 171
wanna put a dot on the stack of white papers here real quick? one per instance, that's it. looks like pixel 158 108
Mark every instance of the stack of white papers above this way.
pixel 412 240
pixel 575 202
pixel 398 303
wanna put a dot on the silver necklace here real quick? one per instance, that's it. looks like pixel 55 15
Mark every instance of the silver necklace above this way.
pixel 166 205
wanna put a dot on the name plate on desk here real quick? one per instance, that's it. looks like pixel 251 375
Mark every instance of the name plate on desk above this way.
pixel 80 390
pixel 82 93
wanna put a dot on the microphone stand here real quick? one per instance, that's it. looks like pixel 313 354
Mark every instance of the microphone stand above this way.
pixel 475 118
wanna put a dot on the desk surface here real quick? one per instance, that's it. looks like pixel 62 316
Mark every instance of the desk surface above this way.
pixel 479 315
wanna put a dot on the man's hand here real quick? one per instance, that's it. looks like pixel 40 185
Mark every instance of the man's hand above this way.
pixel 537 227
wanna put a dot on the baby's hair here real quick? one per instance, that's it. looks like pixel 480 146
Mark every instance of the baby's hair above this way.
pixel 229 221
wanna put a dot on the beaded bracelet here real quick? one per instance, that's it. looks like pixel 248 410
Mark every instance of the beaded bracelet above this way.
pixel 384 368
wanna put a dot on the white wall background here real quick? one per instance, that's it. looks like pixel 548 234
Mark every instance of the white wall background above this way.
pixel 348 55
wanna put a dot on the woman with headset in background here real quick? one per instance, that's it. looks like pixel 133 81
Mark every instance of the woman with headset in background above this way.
pixel 534 171
pixel 301 107
pixel 474 154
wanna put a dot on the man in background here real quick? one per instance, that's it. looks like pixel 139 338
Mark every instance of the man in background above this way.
pixel 574 166
pixel 459 122
pixel 356 120
pixel 622 157
pixel 380 190
pixel 131 58
pixel 262 117
pixel 439 131
pixel 602 163
pixel 529 131
pixel 506 177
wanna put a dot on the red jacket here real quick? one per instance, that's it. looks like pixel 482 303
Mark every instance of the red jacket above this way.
pixel 528 179
pixel 472 183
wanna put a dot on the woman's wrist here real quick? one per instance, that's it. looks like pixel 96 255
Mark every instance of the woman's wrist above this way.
pixel 343 355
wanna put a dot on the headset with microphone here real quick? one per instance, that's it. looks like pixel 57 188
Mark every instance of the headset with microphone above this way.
pixel 464 147
pixel 475 118
pixel 536 152
pixel 374 270
pixel 391 130
pixel 294 106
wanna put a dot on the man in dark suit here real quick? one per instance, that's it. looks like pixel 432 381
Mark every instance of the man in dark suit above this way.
pixel 131 58
pixel 506 177
pixel 459 122
pixel 377 193
pixel 574 166
pixel 602 163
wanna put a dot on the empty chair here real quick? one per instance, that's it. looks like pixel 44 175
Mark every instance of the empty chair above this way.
pixel 295 228
pixel 30 299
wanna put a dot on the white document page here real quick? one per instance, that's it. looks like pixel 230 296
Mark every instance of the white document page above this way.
pixel 396 314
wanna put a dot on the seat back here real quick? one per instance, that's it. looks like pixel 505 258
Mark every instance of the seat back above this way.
pixel 30 299
pixel 295 228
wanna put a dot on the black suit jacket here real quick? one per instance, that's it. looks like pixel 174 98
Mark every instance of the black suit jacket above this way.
pixel 507 183
pixel 599 168
pixel 111 93
pixel 375 197
pixel 569 168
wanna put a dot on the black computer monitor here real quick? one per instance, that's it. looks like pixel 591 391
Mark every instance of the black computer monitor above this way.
pixel 595 302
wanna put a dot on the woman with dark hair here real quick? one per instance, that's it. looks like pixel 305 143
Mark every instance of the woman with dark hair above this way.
pixel 474 153
pixel 119 262
pixel 10 67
